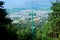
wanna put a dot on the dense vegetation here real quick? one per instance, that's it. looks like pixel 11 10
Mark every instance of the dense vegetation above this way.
pixel 7 31
pixel 49 31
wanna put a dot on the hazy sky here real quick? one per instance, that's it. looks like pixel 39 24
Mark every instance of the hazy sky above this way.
pixel 27 3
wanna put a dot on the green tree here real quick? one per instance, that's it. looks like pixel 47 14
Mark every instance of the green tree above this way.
pixel 6 30
pixel 54 19
pixel 51 29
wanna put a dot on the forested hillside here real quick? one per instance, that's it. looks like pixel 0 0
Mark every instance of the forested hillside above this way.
pixel 46 28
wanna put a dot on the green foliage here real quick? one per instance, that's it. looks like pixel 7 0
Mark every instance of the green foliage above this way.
pixel 7 31
pixel 51 29
pixel 54 17
pixel 24 34
pixel 41 34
